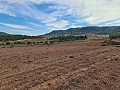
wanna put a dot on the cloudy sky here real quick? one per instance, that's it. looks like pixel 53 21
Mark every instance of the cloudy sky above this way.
pixel 36 17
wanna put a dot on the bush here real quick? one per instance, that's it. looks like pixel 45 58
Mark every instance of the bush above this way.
pixel 34 42
pixel 8 43
pixel 28 43
pixel 114 36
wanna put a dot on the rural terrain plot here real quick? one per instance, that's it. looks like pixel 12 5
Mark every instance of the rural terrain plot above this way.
pixel 60 66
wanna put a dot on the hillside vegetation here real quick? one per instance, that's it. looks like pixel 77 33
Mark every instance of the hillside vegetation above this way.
pixel 86 30
pixel 16 37
pixel 68 38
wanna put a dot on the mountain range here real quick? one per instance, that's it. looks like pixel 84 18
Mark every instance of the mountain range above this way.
pixel 86 30
pixel 82 30
pixel 3 33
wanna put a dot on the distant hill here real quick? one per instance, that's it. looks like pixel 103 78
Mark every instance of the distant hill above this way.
pixel 86 30
pixel 2 33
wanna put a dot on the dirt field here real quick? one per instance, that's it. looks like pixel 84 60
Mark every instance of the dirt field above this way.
pixel 61 66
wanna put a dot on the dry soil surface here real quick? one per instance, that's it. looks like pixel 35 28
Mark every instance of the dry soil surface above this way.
pixel 61 66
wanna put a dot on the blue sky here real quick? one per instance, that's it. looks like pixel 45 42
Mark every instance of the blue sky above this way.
pixel 36 17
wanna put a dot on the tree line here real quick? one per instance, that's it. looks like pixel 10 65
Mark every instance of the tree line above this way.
pixel 68 38
pixel 115 36
pixel 16 37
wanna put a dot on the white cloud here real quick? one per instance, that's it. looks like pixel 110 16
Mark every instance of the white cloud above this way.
pixel 75 26
pixel 24 8
pixel 15 26
pixel 94 12
pixel 58 24
pixel 23 32
pixel 4 8
pixel 113 23
pixel 102 11
pixel 34 24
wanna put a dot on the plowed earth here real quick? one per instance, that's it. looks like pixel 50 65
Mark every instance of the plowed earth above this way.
pixel 60 66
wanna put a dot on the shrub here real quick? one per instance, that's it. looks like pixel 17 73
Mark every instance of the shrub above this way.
pixel 8 43
pixel 28 43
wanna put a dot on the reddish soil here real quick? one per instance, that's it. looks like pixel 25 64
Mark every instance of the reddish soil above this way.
pixel 60 66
